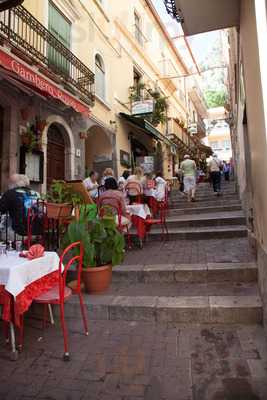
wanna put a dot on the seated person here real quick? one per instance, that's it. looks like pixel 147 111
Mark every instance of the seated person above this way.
pixel 108 173
pixel 148 185
pixel 16 201
pixel 123 179
pixel 91 184
pixel 161 185
pixel 112 192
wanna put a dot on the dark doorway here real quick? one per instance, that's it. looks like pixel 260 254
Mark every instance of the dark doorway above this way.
pixel 55 154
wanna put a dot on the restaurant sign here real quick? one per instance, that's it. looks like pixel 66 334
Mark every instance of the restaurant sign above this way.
pixel 142 107
pixel 36 80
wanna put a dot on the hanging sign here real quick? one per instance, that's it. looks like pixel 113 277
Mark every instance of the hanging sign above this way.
pixel 36 80
pixel 142 107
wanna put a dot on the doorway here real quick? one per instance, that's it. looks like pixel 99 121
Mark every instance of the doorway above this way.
pixel 55 154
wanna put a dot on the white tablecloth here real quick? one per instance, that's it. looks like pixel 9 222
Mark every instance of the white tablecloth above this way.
pixel 141 210
pixel 16 273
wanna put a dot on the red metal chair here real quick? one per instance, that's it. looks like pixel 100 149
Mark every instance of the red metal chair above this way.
pixel 134 190
pixel 113 204
pixel 161 221
pixel 59 294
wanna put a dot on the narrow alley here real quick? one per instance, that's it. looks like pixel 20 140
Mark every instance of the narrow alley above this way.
pixel 181 321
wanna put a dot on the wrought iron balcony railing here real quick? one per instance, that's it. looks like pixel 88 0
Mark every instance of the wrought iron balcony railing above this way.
pixel 24 32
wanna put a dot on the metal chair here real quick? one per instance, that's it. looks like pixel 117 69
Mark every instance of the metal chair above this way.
pixel 161 221
pixel 134 190
pixel 60 293
pixel 113 204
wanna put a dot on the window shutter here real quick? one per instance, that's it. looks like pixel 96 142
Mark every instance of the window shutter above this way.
pixel 61 29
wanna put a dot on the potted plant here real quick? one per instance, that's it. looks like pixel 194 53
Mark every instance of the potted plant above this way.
pixel 59 200
pixel 103 246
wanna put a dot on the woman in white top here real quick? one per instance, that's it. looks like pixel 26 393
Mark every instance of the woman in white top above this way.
pixel 137 177
pixel 161 185
pixel 91 184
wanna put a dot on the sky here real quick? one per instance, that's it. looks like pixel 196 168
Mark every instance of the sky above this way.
pixel 200 44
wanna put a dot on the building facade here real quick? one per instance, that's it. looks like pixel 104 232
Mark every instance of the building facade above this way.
pixel 246 21
pixel 88 85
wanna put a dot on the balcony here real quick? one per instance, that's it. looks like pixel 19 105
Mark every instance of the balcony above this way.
pixel 36 45
pixel 206 15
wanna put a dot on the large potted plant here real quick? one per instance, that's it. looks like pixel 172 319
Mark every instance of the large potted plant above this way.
pixel 59 200
pixel 103 246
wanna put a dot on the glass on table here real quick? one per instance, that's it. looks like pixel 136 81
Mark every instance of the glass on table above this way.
pixel 18 246
pixel 2 248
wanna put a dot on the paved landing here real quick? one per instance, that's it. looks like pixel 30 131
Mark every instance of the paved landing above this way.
pixel 192 251
pixel 139 361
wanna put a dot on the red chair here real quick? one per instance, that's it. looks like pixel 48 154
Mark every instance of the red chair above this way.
pixel 59 294
pixel 113 204
pixel 134 190
pixel 161 221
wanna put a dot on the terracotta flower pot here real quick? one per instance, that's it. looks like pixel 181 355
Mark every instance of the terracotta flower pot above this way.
pixel 57 211
pixel 97 279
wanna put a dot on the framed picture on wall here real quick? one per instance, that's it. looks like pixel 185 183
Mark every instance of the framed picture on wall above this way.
pixel 125 159
pixel 32 164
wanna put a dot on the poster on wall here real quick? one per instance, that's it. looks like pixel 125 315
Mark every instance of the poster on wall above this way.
pixel 147 163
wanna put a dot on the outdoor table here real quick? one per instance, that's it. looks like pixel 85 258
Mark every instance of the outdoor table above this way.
pixel 22 280
pixel 139 213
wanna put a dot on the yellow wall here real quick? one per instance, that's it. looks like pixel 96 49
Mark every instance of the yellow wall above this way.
pixel 109 31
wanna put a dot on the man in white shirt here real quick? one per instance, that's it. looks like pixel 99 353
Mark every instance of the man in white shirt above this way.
pixel 91 184
pixel 215 166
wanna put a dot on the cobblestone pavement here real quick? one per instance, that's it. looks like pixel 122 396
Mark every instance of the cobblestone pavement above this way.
pixel 134 361
pixel 192 251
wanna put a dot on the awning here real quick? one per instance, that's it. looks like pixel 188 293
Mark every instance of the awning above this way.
pixel 36 82
pixel 147 128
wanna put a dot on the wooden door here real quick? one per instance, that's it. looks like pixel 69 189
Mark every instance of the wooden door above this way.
pixel 55 155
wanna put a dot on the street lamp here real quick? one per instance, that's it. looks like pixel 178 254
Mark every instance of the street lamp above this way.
pixel 6 4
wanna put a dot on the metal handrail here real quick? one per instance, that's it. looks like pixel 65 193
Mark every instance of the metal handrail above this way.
pixel 24 32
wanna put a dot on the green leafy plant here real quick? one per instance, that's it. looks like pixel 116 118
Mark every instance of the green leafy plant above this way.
pixel 61 193
pixel 103 243
pixel 142 92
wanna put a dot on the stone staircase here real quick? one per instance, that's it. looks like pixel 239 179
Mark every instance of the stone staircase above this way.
pixel 209 217
pixel 212 293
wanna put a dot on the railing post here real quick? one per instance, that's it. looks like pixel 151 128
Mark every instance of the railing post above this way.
pixel 9 23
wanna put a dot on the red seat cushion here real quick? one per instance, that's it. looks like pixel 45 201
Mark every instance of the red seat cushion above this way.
pixel 52 295
pixel 152 221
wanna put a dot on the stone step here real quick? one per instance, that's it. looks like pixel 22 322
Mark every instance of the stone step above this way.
pixel 215 219
pixel 213 198
pixel 200 233
pixel 245 309
pixel 216 202
pixel 186 273
pixel 205 210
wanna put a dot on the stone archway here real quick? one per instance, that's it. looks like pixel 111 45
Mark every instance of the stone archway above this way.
pixel 58 138
pixel 98 150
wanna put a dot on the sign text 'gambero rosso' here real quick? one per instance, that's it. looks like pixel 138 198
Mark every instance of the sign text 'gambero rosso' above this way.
pixel 40 83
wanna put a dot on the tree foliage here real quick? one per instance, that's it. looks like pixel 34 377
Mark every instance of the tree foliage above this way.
pixel 215 98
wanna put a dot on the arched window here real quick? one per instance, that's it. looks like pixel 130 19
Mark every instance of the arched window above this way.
pixel 100 77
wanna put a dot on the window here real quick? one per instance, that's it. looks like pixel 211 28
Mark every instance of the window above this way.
pixel 216 146
pixel 100 88
pixel 137 78
pixel 138 29
pixel 60 27
pixel 227 144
